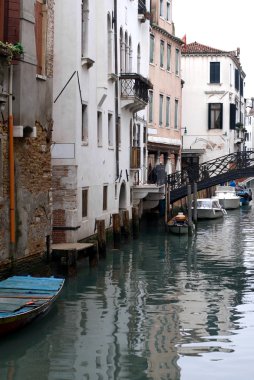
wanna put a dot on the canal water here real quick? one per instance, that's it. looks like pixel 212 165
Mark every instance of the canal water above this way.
pixel 161 307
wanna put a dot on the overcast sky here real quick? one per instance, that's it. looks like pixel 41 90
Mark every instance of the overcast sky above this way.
pixel 222 24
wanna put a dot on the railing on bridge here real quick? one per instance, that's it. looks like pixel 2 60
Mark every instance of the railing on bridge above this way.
pixel 210 173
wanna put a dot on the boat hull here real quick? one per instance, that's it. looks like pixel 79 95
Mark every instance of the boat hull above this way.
pixel 209 213
pixel 230 204
pixel 178 229
pixel 29 304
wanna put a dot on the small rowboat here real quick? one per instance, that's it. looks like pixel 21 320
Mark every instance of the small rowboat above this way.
pixel 179 224
pixel 24 298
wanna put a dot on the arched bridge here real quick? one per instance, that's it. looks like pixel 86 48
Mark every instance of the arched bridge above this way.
pixel 210 173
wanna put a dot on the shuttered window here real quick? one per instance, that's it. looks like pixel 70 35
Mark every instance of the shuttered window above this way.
pixel 84 203
pixel 215 115
pixel 232 116
pixel 105 197
pixel 214 72
pixel 241 86
pixel 237 79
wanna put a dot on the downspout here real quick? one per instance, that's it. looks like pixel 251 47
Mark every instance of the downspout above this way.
pixel 11 169
pixel 116 90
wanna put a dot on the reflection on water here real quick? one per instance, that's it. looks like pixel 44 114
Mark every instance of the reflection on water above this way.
pixel 162 307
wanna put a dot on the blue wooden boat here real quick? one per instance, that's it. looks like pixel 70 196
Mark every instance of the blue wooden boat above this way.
pixel 24 298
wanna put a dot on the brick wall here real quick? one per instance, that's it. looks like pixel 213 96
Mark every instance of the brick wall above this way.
pixel 64 184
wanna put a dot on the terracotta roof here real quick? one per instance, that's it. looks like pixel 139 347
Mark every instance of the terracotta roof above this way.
pixel 195 47
pixel 198 49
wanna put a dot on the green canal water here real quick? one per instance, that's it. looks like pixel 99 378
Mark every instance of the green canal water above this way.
pixel 161 307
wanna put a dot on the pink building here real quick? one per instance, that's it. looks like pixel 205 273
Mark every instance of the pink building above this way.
pixel 164 111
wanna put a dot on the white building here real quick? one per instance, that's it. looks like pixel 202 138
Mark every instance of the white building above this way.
pixel 213 103
pixel 249 125
pixel 100 94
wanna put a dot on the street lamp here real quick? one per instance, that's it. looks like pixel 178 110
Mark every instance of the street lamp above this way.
pixel 184 133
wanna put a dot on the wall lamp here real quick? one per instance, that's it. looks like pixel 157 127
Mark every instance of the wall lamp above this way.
pixel 184 130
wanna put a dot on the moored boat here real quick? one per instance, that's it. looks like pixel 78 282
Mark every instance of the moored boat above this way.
pixel 179 224
pixel 209 208
pixel 24 298
pixel 244 194
pixel 227 197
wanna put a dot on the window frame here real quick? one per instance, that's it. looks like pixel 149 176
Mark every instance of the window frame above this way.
pixel 150 107
pixel 84 123
pixel 212 110
pixel 162 51
pixel 161 101
pixel 151 51
pixel 176 119
pixel 105 198
pixel 215 72
pixel 168 112
pixel 177 61
pixel 99 129
pixel 84 207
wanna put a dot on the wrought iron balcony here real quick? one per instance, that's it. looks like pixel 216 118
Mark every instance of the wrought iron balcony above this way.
pixel 134 91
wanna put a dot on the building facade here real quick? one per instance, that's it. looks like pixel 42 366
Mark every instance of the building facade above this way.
pixel 25 128
pixel 100 94
pixel 213 103
pixel 164 112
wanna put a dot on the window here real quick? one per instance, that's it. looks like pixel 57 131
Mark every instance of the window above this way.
pixel 232 116
pixel 127 53
pixel 130 55
pixel 151 48
pixel 161 8
pixel 168 56
pixel 177 62
pixel 110 34
pixel 110 129
pixel 99 128
pixel 168 11
pixel 215 115
pixel 84 203
pixel 40 35
pixel 85 19
pixel 237 79
pixel 84 130
pixel 162 54
pixel 214 72
pixel 161 110
pixel 138 58
pixel 105 197
pixel 144 135
pixel 122 52
pixel 241 86
pixel 168 112
pixel 150 109
pixel 176 113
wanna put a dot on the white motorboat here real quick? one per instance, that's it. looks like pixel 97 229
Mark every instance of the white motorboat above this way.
pixel 209 208
pixel 227 197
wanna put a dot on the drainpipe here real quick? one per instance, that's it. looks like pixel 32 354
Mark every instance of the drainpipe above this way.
pixel 116 90
pixel 11 168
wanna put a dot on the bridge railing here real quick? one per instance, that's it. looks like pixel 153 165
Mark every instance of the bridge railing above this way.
pixel 212 168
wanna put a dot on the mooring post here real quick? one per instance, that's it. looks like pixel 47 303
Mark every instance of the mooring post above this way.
pixel 189 209
pixel 94 255
pixel 101 233
pixel 195 196
pixel 126 224
pixel 116 230
pixel 135 222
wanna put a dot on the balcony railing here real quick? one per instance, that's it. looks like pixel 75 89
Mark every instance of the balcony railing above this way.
pixel 134 89
pixel 135 157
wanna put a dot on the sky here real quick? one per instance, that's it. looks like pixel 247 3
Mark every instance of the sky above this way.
pixel 221 24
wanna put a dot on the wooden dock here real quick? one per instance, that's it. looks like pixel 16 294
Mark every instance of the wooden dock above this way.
pixel 68 253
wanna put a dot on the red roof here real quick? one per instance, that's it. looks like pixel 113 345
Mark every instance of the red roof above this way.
pixel 195 47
